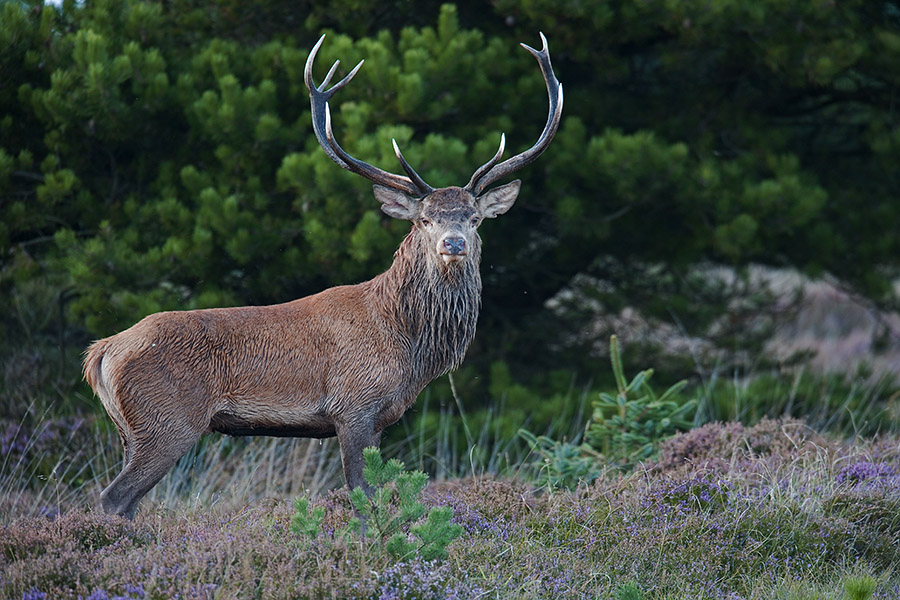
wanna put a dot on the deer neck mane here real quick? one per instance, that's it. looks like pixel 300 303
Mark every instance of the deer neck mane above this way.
pixel 436 305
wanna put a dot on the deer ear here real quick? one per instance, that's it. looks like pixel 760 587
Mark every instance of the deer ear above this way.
pixel 396 204
pixel 498 200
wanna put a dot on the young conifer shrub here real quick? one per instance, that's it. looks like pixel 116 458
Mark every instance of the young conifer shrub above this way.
pixel 627 426
pixel 392 523
pixel 305 523
pixel 629 591
pixel 562 465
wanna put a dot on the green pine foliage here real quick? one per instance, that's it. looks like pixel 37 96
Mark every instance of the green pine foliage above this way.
pixel 629 591
pixel 306 523
pixel 561 464
pixel 159 156
pixel 391 523
pixel 627 427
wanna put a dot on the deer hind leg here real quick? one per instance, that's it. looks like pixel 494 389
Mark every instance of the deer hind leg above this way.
pixel 148 463
pixel 126 446
pixel 153 442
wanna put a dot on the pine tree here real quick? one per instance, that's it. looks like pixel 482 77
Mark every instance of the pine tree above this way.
pixel 159 155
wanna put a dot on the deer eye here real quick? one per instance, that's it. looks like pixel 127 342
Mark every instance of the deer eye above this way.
pixel 475 220
pixel 425 222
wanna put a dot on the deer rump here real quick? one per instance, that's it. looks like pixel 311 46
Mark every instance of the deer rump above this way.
pixel 346 362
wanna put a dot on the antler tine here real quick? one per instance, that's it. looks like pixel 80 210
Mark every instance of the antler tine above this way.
pixel 488 165
pixel 330 74
pixel 555 92
pixel 416 179
pixel 373 174
pixel 321 91
pixel 321 120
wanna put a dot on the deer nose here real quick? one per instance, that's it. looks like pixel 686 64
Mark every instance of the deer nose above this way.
pixel 455 246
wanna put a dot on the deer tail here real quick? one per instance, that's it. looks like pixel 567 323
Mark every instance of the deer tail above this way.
pixel 93 358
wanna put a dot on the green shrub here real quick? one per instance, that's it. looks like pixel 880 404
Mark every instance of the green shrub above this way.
pixel 629 591
pixel 304 523
pixel 562 464
pixel 627 426
pixel 389 524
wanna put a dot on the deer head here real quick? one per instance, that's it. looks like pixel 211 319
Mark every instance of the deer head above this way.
pixel 447 217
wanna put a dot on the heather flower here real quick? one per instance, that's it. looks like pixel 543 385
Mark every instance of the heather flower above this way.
pixel 690 494
pixel 865 471
pixel 719 446
pixel 132 592
pixel 11 442
pixel 18 439
pixel 473 521
pixel 424 580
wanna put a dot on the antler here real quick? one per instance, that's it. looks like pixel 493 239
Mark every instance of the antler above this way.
pixel 490 172
pixel 321 119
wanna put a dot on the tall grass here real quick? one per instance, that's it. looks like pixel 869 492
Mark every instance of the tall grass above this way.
pixel 449 442
pixel 46 467
pixel 235 472
pixel 52 464
pixel 58 465
pixel 847 406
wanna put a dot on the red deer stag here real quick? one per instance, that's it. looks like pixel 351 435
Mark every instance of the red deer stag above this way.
pixel 345 362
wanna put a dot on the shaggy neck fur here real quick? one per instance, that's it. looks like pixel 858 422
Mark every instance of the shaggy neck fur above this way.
pixel 435 304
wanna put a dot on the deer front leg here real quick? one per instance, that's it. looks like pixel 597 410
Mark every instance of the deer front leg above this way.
pixel 353 437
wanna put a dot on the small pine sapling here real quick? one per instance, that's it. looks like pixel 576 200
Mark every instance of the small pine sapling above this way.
pixel 629 591
pixel 304 523
pixel 390 522
pixel 628 426
pixel 624 429
pixel 394 508
pixel 562 464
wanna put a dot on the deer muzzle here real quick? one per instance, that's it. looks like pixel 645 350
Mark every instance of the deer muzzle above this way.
pixel 452 248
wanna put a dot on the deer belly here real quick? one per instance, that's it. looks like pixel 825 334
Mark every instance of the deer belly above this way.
pixel 255 419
